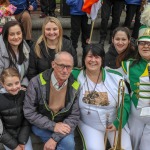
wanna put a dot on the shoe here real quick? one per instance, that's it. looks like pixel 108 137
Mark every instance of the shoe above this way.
pixel 42 15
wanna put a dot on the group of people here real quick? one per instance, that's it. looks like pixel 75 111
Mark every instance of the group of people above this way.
pixel 65 106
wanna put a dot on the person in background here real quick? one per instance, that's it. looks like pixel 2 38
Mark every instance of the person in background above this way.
pixel 23 16
pixel 108 6
pixel 16 128
pixel 51 104
pixel 48 8
pixel 137 73
pixel 121 48
pixel 79 22
pixel 98 101
pixel 6 13
pixel 14 51
pixel 49 43
pixel 133 9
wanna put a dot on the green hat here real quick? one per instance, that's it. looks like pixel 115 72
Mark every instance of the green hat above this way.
pixel 144 31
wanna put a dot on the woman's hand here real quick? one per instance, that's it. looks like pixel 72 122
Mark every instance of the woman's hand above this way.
pixel 111 127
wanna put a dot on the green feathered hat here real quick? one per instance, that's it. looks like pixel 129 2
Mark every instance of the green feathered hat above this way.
pixel 144 31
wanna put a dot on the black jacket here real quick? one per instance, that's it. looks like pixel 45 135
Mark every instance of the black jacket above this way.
pixel 110 57
pixel 38 65
pixel 16 127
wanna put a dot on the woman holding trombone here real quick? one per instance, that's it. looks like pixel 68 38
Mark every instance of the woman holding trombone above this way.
pixel 138 75
pixel 98 99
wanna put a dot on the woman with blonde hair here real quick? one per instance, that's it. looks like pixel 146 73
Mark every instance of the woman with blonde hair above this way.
pixel 49 43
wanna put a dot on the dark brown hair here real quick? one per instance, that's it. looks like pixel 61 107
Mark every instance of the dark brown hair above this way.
pixel 130 51
pixel 96 50
pixel 9 49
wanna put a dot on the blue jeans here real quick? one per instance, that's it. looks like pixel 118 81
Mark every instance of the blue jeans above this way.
pixel 67 143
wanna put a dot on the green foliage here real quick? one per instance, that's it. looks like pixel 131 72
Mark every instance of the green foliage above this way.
pixel 57 1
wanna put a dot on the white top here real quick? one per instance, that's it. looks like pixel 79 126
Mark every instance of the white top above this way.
pixel 96 115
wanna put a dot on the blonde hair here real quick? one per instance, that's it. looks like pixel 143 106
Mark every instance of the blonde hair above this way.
pixel 9 72
pixel 43 38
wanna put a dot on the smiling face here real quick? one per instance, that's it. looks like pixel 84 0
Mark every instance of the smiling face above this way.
pixel 93 63
pixel 51 31
pixel 15 36
pixel 12 84
pixel 144 49
pixel 62 66
pixel 120 41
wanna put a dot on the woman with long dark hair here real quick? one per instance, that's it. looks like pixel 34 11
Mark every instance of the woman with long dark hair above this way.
pixel 121 48
pixel 14 51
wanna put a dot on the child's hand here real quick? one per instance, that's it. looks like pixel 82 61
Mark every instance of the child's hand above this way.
pixel 18 148
pixel 23 88
pixel 30 7
pixel 22 146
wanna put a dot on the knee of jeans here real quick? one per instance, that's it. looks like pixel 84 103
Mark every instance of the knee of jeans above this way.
pixel 26 17
pixel 67 143
pixel 70 144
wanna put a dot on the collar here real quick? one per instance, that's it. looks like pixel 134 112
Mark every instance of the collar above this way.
pixel 113 51
pixel 56 84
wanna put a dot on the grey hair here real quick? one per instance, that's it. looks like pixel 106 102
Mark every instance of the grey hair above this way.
pixel 57 55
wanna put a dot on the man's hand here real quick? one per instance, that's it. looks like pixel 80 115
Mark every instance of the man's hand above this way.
pixel 62 128
pixel 30 7
pixel 111 127
pixel 50 145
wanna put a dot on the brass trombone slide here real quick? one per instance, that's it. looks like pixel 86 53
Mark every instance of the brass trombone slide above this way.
pixel 121 92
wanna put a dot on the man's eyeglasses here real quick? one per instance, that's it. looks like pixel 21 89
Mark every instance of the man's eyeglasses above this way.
pixel 143 43
pixel 62 66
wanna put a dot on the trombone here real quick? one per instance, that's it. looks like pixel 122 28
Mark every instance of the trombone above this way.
pixel 117 141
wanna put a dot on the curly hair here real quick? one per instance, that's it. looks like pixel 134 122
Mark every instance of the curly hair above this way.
pixel 143 3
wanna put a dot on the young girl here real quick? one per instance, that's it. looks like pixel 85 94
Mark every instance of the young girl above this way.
pixel 16 128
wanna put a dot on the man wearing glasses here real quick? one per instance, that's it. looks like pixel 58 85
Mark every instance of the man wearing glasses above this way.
pixel 50 104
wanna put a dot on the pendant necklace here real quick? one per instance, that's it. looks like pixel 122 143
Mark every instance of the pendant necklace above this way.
pixel 92 95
